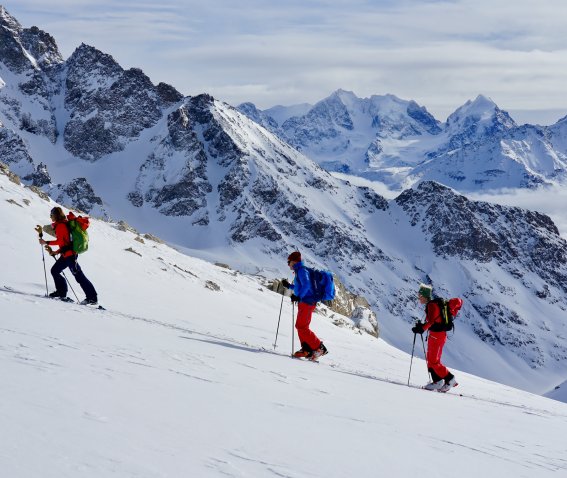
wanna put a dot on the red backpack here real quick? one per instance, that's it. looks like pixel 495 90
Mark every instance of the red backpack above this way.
pixel 449 310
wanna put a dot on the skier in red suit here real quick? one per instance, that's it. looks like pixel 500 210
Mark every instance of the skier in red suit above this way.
pixel 442 378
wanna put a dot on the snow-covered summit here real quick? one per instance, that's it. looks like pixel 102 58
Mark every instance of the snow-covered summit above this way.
pixel 25 48
pixel 401 143
pixel 477 120
pixel 345 133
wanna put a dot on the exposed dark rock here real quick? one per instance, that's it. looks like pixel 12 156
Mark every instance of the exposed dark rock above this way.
pixel 78 194
pixel 40 177
pixel 513 237
pixel 110 106
pixel 14 152
pixel 167 94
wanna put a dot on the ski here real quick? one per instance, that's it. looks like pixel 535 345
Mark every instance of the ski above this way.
pixel 304 359
pixel 68 300
pixel 439 391
pixel 63 299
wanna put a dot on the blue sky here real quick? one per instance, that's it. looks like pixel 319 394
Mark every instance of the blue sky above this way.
pixel 439 53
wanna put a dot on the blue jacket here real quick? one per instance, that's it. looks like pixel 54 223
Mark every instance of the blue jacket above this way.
pixel 302 284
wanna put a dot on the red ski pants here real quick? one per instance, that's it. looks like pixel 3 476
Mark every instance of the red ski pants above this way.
pixel 304 313
pixel 435 344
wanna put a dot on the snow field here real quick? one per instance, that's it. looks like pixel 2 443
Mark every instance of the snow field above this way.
pixel 169 381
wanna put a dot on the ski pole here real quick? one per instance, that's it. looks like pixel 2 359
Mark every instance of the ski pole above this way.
pixel 425 356
pixel 279 317
pixel 70 286
pixel 411 361
pixel 292 327
pixel 40 233
pixel 68 283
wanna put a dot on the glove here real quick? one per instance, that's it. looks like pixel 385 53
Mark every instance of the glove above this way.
pixel 286 283
pixel 417 328
pixel 39 230
pixel 49 250
pixel 294 298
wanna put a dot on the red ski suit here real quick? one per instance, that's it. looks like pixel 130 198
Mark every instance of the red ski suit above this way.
pixel 436 340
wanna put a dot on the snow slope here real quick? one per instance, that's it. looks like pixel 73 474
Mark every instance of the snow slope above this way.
pixel 205 177
pixel 170 381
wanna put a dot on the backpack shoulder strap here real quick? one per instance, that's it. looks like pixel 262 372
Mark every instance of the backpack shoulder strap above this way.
pixel 443 309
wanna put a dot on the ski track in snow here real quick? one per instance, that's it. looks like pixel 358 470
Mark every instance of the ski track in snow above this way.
pixel 240 462
pixel 223 341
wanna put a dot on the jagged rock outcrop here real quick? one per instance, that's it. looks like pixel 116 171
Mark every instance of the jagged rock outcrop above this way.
pixel 40 177
pixel 109 106
pixel 16 42
pixel 33 58
pixel 514 238
pixel 352 306
pixel 77 194
pixel 173 178
pixel 14 152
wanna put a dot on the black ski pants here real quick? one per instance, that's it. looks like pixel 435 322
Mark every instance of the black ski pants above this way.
pixel 61 284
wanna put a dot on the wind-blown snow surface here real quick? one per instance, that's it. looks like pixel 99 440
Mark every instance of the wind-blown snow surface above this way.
pixel 169 381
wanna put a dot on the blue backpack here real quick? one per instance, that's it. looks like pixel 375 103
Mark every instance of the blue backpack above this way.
pixel 322 284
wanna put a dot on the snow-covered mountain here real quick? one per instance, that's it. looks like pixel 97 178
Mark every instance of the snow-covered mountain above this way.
pixel 479 147
pixel 204 176
pixel 178 377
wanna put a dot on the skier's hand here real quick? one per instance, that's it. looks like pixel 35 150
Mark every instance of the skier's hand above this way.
pixel 294 298
pixel 49 250
pixel 417 328
pixel 286 283
pixel 39 230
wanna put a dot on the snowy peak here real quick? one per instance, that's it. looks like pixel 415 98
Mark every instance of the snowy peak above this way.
pixel 330 115
pixel 400 143
pixel 24 49
pixel 479 118
pixel 223 172
pixel 347 98
pixel 260 117
pixel 42 47
pixel 89 70
pixel 344 132
pixel 109 106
